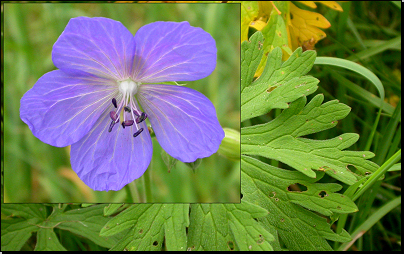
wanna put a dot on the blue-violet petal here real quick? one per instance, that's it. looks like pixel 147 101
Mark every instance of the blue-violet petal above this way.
pixel 110 160
pixel 183 119
pixel 95 46
pixel 60 109
pixel 171 51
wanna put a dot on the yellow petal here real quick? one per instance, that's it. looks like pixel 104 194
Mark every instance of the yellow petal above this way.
pixel 301 18
pixel 311 4
pixel 332 4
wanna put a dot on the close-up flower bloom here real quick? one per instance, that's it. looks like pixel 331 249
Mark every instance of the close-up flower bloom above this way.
pixel 109 82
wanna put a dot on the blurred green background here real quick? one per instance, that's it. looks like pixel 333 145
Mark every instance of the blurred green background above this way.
pixel 37 172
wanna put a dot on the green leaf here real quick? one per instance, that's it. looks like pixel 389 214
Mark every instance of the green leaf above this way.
pixel 149 225
pixel 251 53
pixel 296 203
pixel 300 229
pixel 48 241
pixel 15 232
pixel 86 222
pixel 113 208
pixel 279 84
pixel 225 227
pixel 25 211
pixel 279 140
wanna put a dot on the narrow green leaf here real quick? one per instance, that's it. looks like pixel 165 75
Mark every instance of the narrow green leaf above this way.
pixel 376 49
pixel 372 220
pixel 48 241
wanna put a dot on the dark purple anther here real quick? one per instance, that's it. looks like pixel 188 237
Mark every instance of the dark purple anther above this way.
pixel 127 109
pixel 114 102
pixel 113 115
pixel 141 118
pixel 128 122
pixel 137 133
pixel 111 126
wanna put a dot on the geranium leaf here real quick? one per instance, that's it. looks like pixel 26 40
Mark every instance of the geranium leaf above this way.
pixel 86 222
pixel 113 208
pixel 251 53
pixel 279 84
pixel 225 227
pixel 296 203
pixel 26 211
pixel 149 224
pixel 15 232
pixel 48 241
pixel 300 229
pixel 279 139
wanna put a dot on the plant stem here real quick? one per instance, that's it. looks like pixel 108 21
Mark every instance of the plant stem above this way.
pixel 134 192
pixel 147 184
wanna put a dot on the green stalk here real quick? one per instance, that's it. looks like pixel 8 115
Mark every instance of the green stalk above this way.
pixel 147 184
pixel 379 173
pixel 134 193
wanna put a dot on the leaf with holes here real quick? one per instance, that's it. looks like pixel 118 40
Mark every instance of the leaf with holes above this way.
pixel 224 227
pixel 279 84
pixel 296 203
pixel 148 226
pixel 284 193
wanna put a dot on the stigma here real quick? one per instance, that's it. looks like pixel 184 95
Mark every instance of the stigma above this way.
pixel 130 113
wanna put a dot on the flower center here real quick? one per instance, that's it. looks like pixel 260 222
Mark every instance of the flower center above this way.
pixel 128 86
pixel 131 114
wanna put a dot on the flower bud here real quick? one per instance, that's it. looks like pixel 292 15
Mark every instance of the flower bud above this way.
pixel 230 146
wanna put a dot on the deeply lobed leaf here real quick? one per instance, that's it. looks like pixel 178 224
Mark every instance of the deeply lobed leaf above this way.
pixel 280 139
pixel 300 229
pixel 279 84
pixel 224 227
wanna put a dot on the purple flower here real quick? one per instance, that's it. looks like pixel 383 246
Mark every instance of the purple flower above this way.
pixel 105 74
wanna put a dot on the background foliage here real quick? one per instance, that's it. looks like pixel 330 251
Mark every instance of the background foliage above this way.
pixel 37 172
